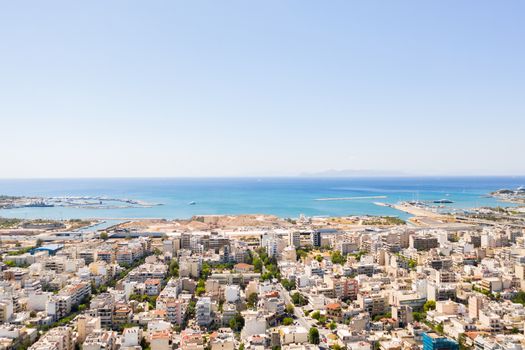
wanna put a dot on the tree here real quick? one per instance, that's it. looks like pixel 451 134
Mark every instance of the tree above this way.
pixel 205 271
pixel 429 305
pixel 332 325
pixel 313 335
pixel 287 284
pixel 290 309
pixel 301 254
pixel 315 315
pixel 144 343
pixel 287 321
pixel 252 300
pixel 337 257
pixel 191 309
pixel 174 268
pixel 104 236
pixel 322 320
pixel 378 317
pixel 519 298
pixel 38 243
pixel 257 265
pixel 298 299
pixel 319 258
pixel 201 288
pixel 418 316
pixel 237 322
pixel 462 342
pixel 439 328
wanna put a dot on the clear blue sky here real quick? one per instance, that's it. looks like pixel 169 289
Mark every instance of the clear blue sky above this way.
pixel 219 88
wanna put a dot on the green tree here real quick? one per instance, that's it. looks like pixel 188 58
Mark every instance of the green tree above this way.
pixel 322 320
pixel 315 315
pixel 462 342
pixel 313 335
pixel 191 309
pixel 257 265
pixel 144 344
pixel 287 284
pixel 287 321
pixel 201 288
pixel 319 258
pixel 332 325
pixel 301 254
pixel 104 236
pixel 252 300
pixel 290 309
pixel 519 298
pixel 418 316
pixel 298 299
pixel 439 328
pixel 205 271
pixel 237 322
pixel 337 257
pixel 174 268
pixel 429 305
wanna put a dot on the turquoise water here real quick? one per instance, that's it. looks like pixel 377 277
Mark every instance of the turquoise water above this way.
pixel 285 197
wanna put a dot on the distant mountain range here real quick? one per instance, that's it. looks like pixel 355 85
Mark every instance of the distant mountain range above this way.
pixel 354 173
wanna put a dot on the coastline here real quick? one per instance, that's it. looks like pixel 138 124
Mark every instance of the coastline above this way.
pixel 283 197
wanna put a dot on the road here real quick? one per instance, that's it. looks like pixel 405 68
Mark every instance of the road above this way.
pixel 301 318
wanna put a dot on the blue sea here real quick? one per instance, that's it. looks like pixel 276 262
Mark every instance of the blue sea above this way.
pixel 285 197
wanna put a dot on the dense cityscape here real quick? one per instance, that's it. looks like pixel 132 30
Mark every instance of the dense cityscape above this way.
pixel 436 282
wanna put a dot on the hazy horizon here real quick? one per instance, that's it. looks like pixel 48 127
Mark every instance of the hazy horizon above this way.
pixel 261 89
pixel 300 176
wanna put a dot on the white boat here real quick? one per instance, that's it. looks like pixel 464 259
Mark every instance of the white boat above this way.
pixel 192 203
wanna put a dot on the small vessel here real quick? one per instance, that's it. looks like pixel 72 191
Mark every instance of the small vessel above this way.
pixel 192 203
pixel 443 201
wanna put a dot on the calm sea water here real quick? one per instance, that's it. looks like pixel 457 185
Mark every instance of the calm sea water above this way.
pixel 285 197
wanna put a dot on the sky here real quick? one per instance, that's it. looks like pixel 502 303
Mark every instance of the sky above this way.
pixel 261 88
